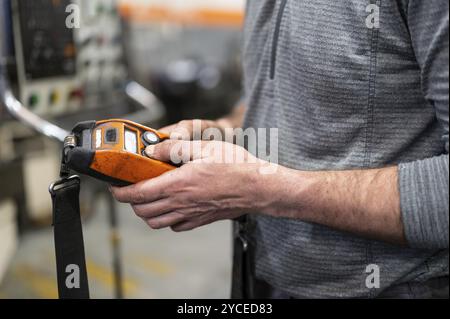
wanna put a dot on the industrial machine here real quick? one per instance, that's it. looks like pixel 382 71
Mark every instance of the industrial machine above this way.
pixel 61 68
pixel 53 75
pixel 46 69
pixel 65 61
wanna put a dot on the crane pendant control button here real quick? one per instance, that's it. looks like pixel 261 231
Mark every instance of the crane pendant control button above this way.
pixel 150 138
pixel 111 136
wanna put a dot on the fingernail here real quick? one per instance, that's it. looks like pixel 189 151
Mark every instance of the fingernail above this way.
pixel 150 150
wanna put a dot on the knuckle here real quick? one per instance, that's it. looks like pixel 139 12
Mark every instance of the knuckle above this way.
pixel 157 148
pixel 183 130
pixel 179 216
pixel 115 194
pixel 181 201
pixel 120 196
pixel 168 145
pixel 138 210
pixel 164 148
pixel 138 195
pixel 163 192
pixel 186 124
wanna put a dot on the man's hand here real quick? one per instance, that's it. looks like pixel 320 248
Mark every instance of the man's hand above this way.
pixel 204 190
pixel 223 181
pixel 184 130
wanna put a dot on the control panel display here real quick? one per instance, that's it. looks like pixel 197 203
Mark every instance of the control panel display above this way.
pixel 6 37
pixel 48 45
pixel 131 141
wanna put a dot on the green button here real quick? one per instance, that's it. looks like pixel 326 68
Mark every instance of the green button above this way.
pixel 33 100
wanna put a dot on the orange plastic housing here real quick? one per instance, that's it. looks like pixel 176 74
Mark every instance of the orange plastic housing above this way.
pixel 113 160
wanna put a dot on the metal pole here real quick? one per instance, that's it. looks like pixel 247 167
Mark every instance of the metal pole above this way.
pixel 115 240
pixel 23 115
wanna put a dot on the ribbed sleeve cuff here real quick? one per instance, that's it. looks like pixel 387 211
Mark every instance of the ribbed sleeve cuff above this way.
pixel 424 197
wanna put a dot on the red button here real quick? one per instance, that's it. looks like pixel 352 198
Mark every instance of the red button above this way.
pixel 76 94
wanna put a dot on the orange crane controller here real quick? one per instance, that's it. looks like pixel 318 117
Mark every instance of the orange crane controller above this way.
pixel 114 151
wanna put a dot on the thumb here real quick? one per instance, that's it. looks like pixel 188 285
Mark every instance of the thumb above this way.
pixel 174 151
pixel 161 151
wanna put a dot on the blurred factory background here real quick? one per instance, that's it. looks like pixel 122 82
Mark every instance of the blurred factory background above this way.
pixel 152 61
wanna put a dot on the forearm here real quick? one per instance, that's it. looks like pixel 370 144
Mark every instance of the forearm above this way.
pixel 363 202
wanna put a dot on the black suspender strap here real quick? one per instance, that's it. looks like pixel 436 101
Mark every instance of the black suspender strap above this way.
pixel 68 235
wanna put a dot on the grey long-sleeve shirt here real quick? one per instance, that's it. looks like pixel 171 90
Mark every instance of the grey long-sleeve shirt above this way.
pixel 347 93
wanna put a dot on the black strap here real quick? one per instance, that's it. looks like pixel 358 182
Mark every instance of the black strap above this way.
pixel 242 275
pixel 69 245
pixel 238 284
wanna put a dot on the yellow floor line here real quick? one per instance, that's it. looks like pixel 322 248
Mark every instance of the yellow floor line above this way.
pixel 105 276
pixel 41 284
pixel 154 266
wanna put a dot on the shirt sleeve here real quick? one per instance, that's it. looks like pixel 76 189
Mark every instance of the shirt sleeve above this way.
pixel 424 185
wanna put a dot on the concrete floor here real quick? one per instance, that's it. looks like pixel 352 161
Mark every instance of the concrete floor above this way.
pixel 156 264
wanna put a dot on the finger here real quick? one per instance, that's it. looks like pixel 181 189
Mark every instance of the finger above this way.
pixel 120 193
pixel 180 131
pixel 188 129
pixel 183 151
pixel 147 191
pixel 168 129
pixel 168 151
pixel 185 226
pixel 197 221
pixel 166 220
pixel 153 209
pixel 131 194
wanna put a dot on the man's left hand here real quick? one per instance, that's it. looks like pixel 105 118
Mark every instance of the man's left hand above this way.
pixel 207 188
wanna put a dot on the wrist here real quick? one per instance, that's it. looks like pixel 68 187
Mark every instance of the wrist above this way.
pixel 286 193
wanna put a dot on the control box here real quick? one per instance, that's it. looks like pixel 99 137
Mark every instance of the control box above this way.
pixel 45 56
pixel 99 43
pixel 65 67
pixel 114 151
